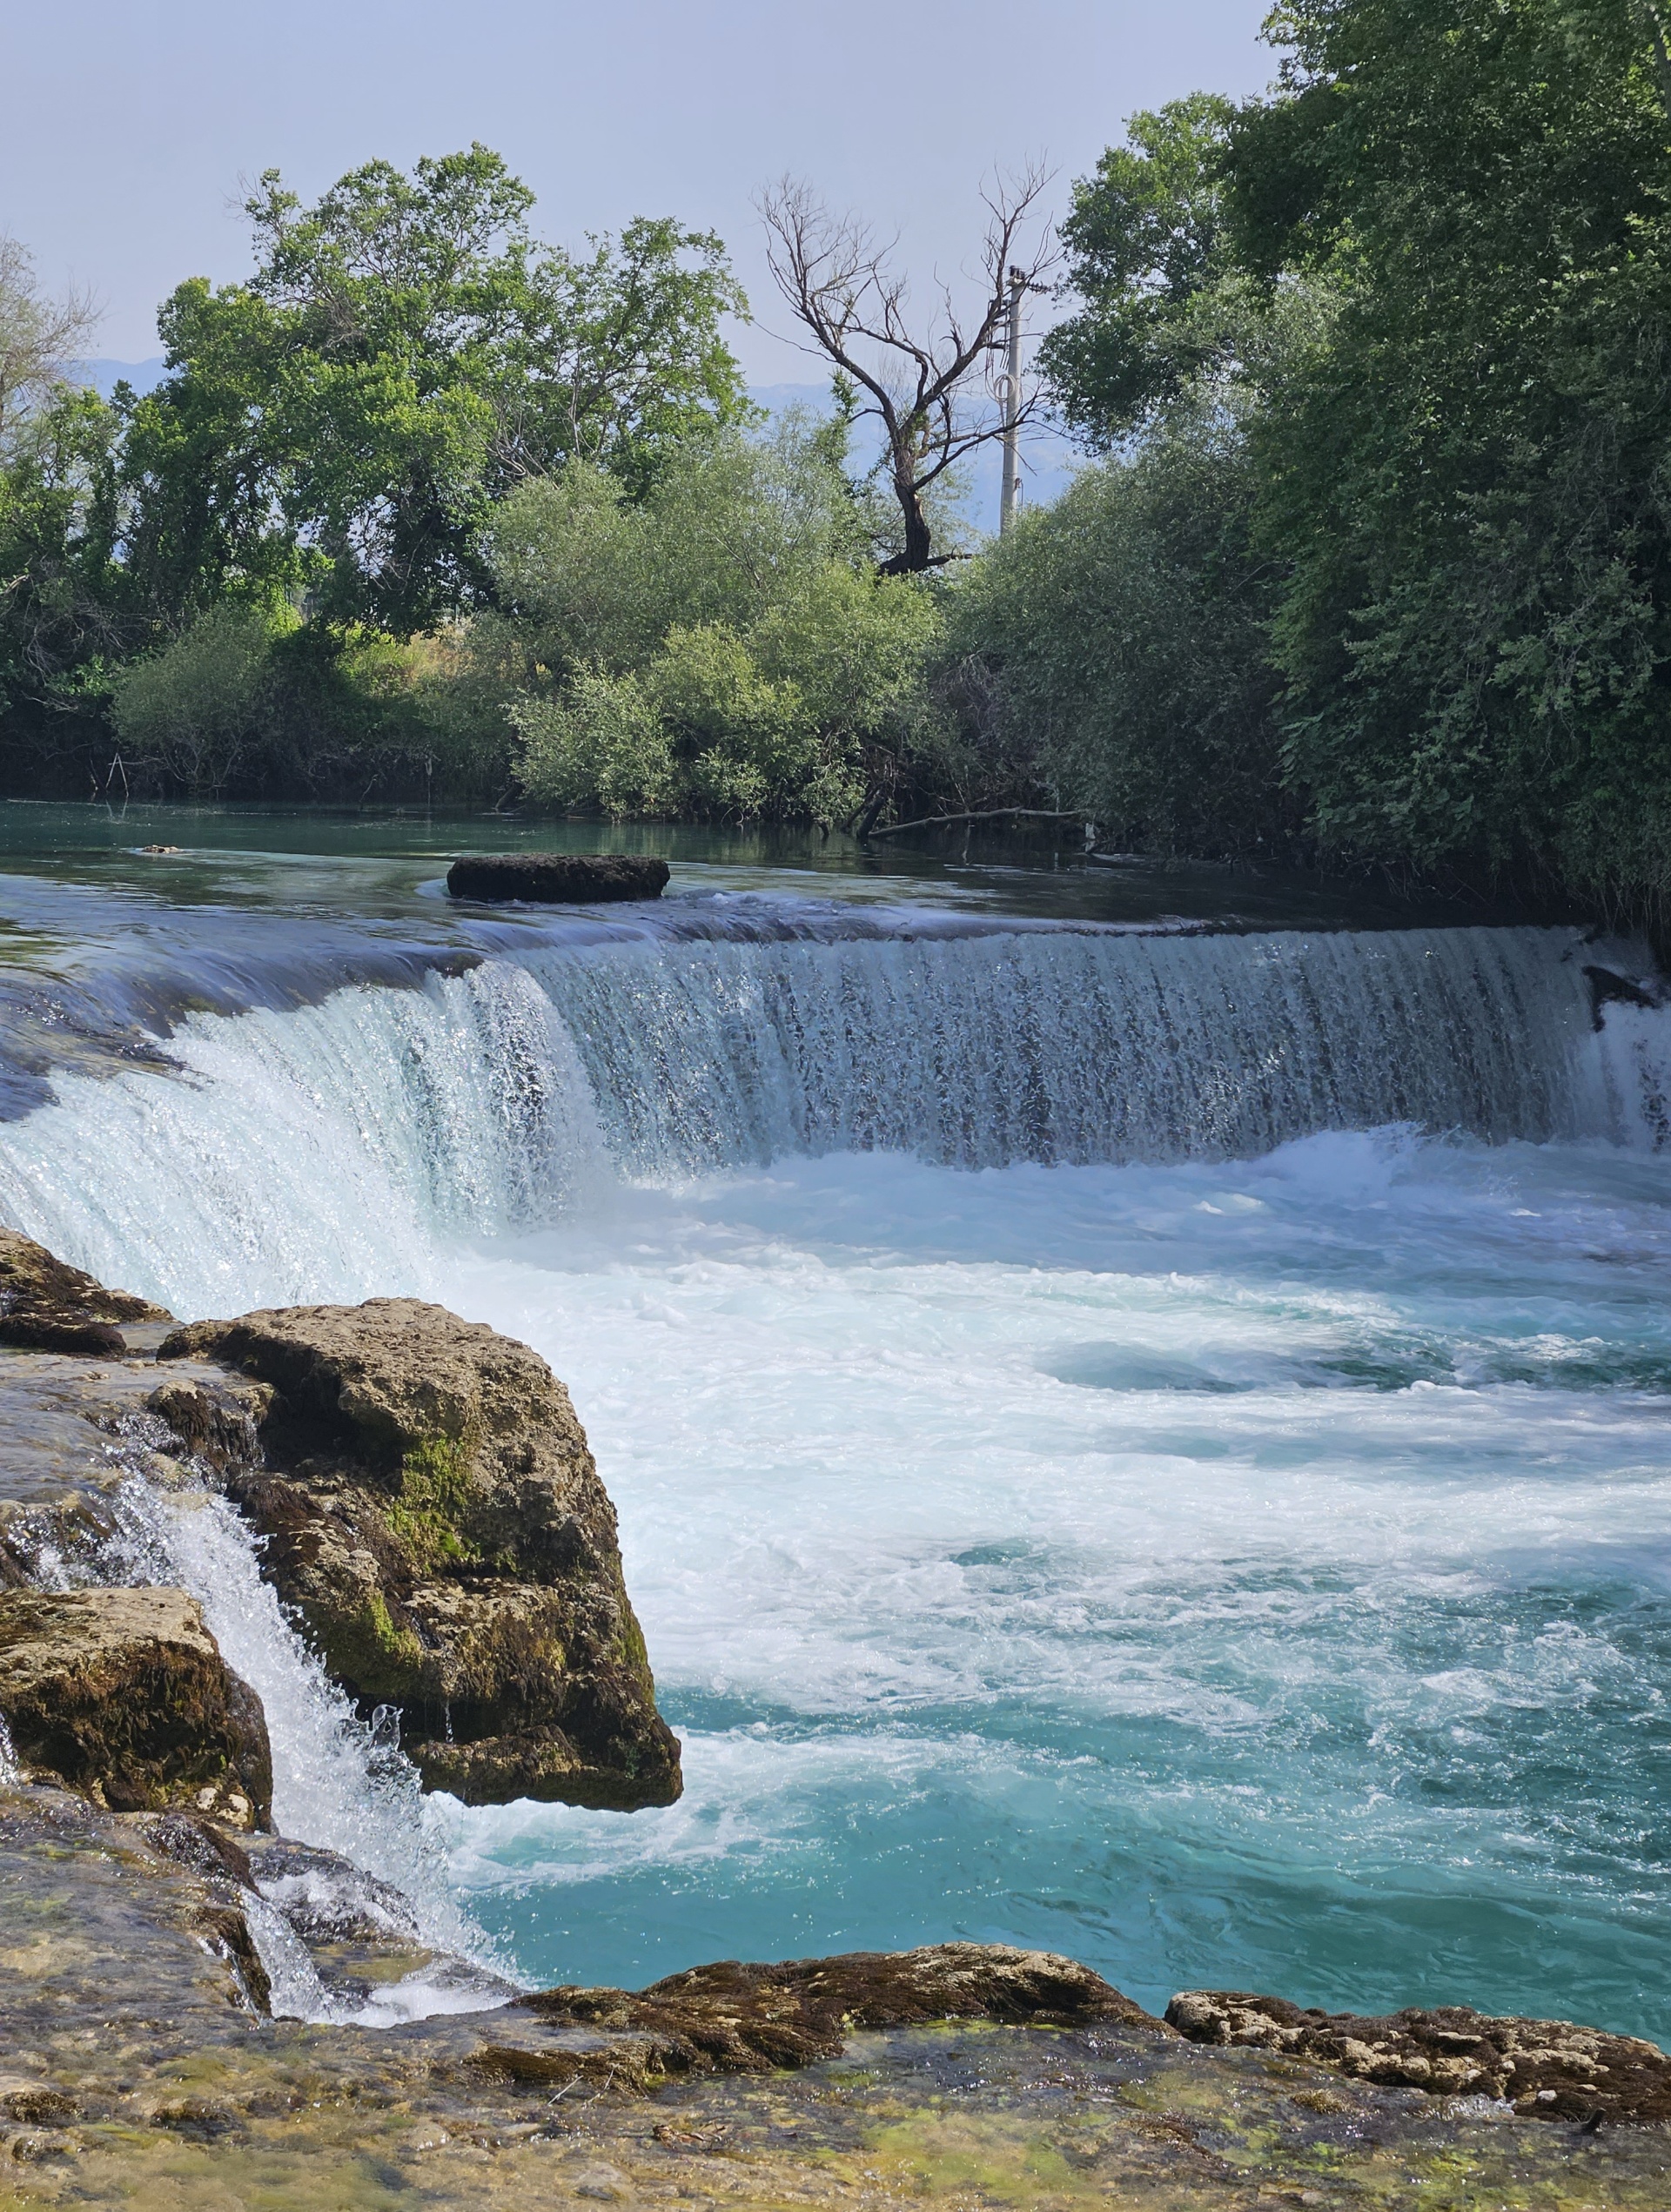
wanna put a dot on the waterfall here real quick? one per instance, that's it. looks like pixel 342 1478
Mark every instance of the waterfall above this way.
pixel 342 1144
pixel 321 1151
pixel 1075 1047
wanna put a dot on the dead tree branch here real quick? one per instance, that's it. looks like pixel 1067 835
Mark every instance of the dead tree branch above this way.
pixel 843 286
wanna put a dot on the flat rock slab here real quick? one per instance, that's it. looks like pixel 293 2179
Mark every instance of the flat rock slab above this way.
pixel 1547 2069
pixel 557 878
pixel 47 1305
pixel 123 1696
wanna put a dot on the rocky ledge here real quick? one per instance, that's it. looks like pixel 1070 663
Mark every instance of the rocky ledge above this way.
pixel 430 1511
pixel 1546 2069
pixel 122 1696
pixel 433 1513
pixel 140 2064
pixel 46 1306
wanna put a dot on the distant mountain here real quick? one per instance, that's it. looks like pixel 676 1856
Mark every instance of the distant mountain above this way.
pixel 105 376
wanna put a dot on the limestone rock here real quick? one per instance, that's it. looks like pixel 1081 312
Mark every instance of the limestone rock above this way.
pixel 737 2018
pixel 46 1306
pixel 1549 2070
pixel 123 1697
pixel 558 879
pixel 432 1510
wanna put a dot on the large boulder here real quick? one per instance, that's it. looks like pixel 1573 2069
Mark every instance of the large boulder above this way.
pixel 122 1695
pixel 1547 2069
pixel 47 1305
pixel 558 879
pixel 434 1514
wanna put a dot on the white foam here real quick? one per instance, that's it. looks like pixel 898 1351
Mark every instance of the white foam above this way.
pixel 333 1784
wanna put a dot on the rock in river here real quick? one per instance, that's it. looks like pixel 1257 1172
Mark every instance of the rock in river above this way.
pixel 122 1695
pixel 558 879
pixel 47 1305
pixel 432 1510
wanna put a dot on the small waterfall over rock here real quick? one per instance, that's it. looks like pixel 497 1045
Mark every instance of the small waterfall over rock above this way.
pixel 319 1152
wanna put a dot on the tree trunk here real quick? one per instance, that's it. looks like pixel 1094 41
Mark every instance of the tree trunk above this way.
pixel 917 553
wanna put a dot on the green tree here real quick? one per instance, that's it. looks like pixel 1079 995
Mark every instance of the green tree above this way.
pixel 1469 478
pixel 339 427
pixel 63 598
pixel 1122 637
pixel 1144 239
pixel 196 709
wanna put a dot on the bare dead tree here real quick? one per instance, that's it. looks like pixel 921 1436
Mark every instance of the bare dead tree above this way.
pixel 842 286
pixel 40 339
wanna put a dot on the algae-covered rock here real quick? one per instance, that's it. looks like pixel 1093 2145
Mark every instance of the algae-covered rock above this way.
pixel 740 2019
pixel 123 1696
pixel 47 1305
pixel 1549 2070
pixel 432 1510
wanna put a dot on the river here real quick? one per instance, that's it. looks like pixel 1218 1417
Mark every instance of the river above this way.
pixel 1139 1404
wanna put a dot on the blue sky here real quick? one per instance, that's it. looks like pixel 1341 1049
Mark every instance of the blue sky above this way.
pixel 130 124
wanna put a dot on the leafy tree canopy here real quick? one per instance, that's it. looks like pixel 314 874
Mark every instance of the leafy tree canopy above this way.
pixel 1144 238
pixel 405 354
pixel 1470 481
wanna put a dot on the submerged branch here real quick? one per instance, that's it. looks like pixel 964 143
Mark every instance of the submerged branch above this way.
pixel 986 814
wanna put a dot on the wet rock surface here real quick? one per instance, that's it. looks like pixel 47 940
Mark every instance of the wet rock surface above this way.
pixel 434 1514
pixel 46 1306
pixel 122 1695
pixel 558 879
pixel 135 2071
pixel 1547 2069
pixel 742 2019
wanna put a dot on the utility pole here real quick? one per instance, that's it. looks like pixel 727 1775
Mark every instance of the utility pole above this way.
pixel 1010 496
pixel 1007 497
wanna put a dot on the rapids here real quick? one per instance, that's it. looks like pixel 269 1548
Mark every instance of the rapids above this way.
pixel 1144 1442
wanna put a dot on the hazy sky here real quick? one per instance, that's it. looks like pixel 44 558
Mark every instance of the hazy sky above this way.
pixel 129 124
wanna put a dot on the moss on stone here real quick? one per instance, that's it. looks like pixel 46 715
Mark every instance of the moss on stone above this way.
pixel 368 1649
pixel 435 1497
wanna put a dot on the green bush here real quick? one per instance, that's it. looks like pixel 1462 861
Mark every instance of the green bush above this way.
pixel 196 709
pixel 723 648
pixel 1122 634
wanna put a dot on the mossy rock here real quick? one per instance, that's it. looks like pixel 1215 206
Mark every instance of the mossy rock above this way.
pixel 122 1695
pixel 434 1514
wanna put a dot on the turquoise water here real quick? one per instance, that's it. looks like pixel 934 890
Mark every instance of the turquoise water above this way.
pixel 1155 1446
pixel 1254 1577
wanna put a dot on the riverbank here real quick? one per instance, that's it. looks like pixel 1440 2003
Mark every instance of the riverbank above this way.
pixel 135 2073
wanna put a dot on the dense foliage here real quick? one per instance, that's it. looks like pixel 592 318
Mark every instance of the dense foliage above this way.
pixel 1447 231
pixel 1371 558
pixel 724 647
pixel 329 443
pixel 1469 481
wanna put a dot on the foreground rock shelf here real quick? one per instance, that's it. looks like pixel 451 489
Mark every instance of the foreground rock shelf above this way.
pixel 134 2072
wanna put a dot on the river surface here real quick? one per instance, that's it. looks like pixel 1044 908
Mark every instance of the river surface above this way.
pixel 1139 1404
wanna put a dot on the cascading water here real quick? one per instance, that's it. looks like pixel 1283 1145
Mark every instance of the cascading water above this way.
pixel 319 1152
pixel 1226 1538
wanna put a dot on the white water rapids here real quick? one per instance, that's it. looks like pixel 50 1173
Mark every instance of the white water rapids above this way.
pixel 1225 1535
